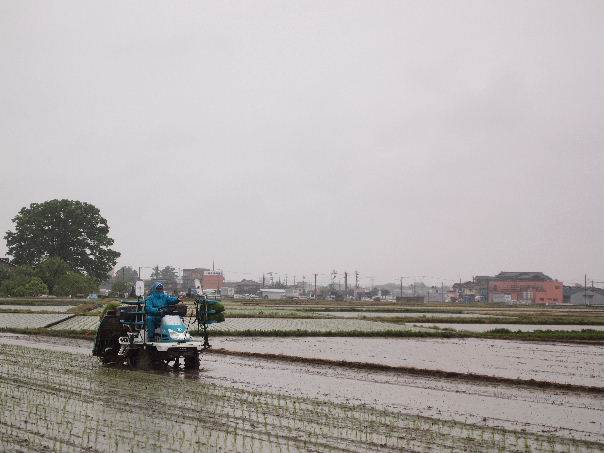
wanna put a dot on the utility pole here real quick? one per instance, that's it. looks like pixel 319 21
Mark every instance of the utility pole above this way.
pixel 442 293
pixel 585 290
pixel 139 272
pixel 401 287
pixel 315 286
pixel 345 284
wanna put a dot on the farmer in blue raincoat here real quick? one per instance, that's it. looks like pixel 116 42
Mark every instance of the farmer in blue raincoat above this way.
pixel 154 304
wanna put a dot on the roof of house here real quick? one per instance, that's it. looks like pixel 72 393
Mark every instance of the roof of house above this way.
pixel 570 290
pixel 527 276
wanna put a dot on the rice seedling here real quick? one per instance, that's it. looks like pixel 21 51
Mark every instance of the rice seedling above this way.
pixel 64 402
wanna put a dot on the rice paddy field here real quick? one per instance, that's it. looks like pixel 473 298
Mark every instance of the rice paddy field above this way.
pixel 36 308
pixel 29 320
pixel 306 325
pixel 359 387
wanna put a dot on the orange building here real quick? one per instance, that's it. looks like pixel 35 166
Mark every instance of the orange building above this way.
pixel 212 280
pixel 525 287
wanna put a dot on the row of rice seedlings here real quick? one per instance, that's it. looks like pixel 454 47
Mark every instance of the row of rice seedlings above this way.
pixel 68 402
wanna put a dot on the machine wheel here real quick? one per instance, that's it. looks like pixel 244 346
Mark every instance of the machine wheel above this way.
pixel 110 355
pixel 141 360
pixel 192 362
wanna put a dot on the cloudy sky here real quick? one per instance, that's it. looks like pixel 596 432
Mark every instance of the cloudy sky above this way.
pixel 436 138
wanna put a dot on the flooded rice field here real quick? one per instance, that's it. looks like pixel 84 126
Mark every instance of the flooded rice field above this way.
pixel 78 323
pixel 68 401
pixel 402 314
pixel 560 363
pixel 29 308
pixel 29 320
pixel 308 325
pixel 512 327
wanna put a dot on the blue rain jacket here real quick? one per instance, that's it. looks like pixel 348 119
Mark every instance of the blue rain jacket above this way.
pixel 158 300
pixel 153 304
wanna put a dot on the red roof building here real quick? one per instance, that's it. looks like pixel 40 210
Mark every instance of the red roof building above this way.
pixel 212 280
pixel 526 287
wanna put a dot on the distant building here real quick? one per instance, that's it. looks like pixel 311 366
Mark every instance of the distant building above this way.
pixel 245 286
pixel 466 292
pixel 227 291
pixel 272 293
pixel 578 295
pixel 481 285
pixel 292 292
pixel 189 276
pixel 212 280
pixel 525 287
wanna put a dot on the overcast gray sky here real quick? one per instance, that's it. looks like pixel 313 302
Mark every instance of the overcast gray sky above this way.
pixel 445 139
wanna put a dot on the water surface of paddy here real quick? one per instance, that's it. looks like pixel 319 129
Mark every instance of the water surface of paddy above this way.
pixel 552 362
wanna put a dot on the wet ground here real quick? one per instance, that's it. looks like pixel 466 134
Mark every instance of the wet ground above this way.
pixel 29 308
pixel 308 325
pixel 563 363
pixel 29 320
pixel 570 414
pixel 373 314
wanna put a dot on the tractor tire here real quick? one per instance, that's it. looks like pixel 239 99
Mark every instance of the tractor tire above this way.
pixel 192 362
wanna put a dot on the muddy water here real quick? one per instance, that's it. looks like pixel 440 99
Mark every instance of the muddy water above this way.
pixel 49 343
pixel 370 314
pixel 47 308
pixel 564 413
pixel 562 363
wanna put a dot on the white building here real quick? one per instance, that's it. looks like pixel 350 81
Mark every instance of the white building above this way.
pixel 292 292
pixel 270 293
pixel 227 292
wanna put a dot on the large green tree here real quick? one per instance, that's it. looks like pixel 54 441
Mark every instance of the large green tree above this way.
pixel 71 230
pixel 75 284
pixel 127 274
pixel 156 273
pixel 51 270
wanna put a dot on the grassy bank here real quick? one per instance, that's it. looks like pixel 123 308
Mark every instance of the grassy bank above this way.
pixel 512 319
pixel 583 336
